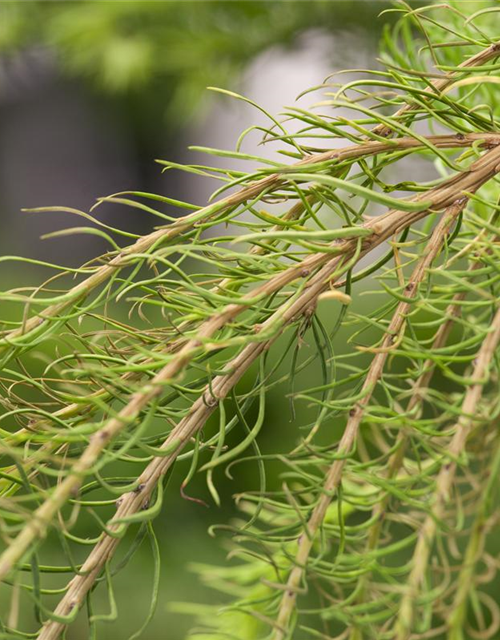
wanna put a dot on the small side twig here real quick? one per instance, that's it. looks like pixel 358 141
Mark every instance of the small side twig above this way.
pixel 483 523
pixel 440 84
pixel 427 533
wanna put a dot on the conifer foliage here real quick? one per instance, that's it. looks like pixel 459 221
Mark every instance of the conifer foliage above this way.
pixel 371 307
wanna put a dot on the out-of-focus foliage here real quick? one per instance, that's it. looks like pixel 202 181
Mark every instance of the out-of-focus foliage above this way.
pixel 169 52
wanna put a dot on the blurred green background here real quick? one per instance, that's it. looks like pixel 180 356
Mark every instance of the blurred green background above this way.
pixel 90 94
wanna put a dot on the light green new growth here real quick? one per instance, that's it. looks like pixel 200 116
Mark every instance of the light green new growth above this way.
pixel 370 306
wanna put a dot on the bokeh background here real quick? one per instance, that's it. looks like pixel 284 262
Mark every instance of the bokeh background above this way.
pixel 90 94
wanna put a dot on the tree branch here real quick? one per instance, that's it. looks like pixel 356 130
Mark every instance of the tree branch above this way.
pixel 445 479
pixel 396 459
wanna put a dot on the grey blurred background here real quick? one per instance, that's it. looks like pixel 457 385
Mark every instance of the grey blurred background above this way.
pixel 90 94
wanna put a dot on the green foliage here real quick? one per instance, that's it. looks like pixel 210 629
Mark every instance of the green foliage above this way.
pixel 374 515
pixel 167 53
